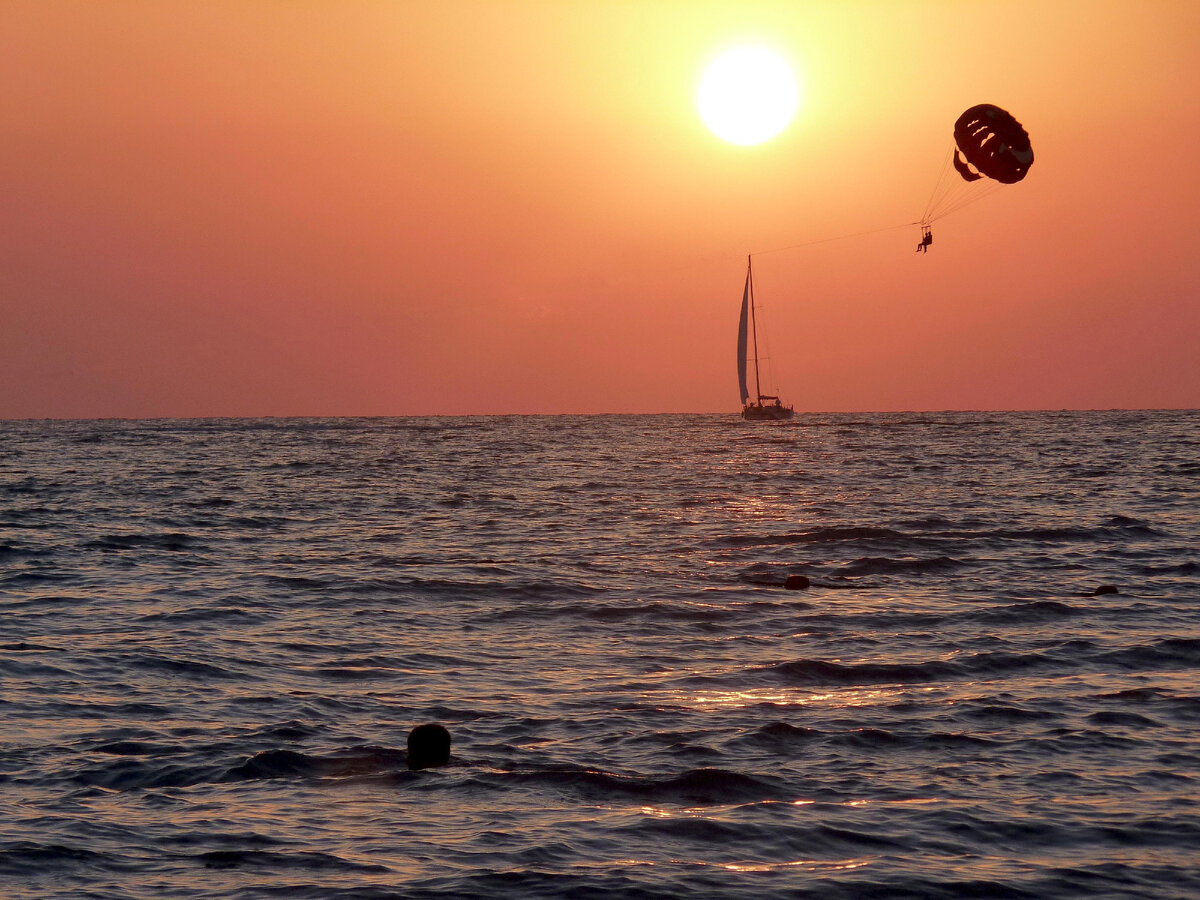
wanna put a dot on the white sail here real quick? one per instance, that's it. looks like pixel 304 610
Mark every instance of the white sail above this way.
pixel 741 347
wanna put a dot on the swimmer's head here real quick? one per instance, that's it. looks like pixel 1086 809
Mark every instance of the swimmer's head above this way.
pixel 428 746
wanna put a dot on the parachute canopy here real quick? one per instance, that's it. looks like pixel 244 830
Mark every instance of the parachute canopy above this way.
pixel 992 142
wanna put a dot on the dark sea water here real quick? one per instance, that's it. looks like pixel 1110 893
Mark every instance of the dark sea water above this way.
pixel 215 636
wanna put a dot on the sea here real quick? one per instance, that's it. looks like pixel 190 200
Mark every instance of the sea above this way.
pixel 982 682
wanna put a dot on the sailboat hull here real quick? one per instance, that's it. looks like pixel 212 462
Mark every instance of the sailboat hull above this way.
pixel 757 412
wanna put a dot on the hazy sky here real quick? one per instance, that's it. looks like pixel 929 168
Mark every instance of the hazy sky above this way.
pixel 352 208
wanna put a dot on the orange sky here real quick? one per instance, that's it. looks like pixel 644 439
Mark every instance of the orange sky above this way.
pixel 393 208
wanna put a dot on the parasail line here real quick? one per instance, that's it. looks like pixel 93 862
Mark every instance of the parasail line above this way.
pixel 838 237
pixel 966 201
pixel 939 187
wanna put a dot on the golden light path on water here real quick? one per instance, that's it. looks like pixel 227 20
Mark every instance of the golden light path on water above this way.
pixel 723 813
pixel 786 697
pixel 803 865
pixel 717 812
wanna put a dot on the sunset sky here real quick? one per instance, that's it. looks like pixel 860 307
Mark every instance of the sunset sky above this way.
pixel 407 208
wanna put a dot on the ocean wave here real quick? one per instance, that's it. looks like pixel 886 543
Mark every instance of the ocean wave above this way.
pixel 820 671
pixel 1188 567
pixel 9 550
pixel 27 647
pixel 513 588
pixel 832 535
pixel 172 541
pixel 1139 695
pixel 1005 714
pixel 299 581
pixel 32 668
pixel 152 662
pixel 1182 709
pixel 1119 719
pixel 778 736
pixel 977 666
pixel 29 519
pixel 633 611
pixel 206 615
pixel 23 858
pixel 260 522
pixel 281 861
pixel 1169 653
pixel 28 577
pixel 1032 612
pixel 134 748
pixel 1113 527
pixel 33 486
pixel 880 565
pixel 935 531
pixel 703 786
pixel 136 773
pixel 210 502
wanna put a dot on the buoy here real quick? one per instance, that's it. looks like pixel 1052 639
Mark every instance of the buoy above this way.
pixel 797 582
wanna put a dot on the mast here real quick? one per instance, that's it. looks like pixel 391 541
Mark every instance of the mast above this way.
pixel 753 328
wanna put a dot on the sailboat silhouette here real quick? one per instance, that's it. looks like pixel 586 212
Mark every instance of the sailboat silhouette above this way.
pixel 758 410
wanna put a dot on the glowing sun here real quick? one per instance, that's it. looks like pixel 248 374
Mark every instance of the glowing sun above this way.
pixel 748 95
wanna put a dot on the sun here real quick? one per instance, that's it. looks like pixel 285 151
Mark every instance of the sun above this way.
pixel 748 95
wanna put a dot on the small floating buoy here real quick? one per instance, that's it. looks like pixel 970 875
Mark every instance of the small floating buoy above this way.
pixel 1105 589
pixel 797 582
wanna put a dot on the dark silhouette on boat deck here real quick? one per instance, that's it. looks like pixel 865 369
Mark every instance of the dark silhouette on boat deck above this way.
pixel 428 746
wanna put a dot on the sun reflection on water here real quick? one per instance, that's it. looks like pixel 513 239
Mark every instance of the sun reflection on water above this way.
pixel 731 699
pixel 721 811
pixel 806 865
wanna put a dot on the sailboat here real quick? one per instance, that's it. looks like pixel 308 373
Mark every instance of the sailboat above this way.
pixel 758 410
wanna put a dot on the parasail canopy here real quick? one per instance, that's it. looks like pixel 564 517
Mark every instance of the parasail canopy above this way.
pixel 991 142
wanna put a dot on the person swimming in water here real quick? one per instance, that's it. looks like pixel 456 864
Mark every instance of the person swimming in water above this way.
pixel 428 748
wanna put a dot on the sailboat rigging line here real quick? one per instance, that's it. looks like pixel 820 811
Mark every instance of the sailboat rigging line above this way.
pixel 839 237
pixel 753 325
